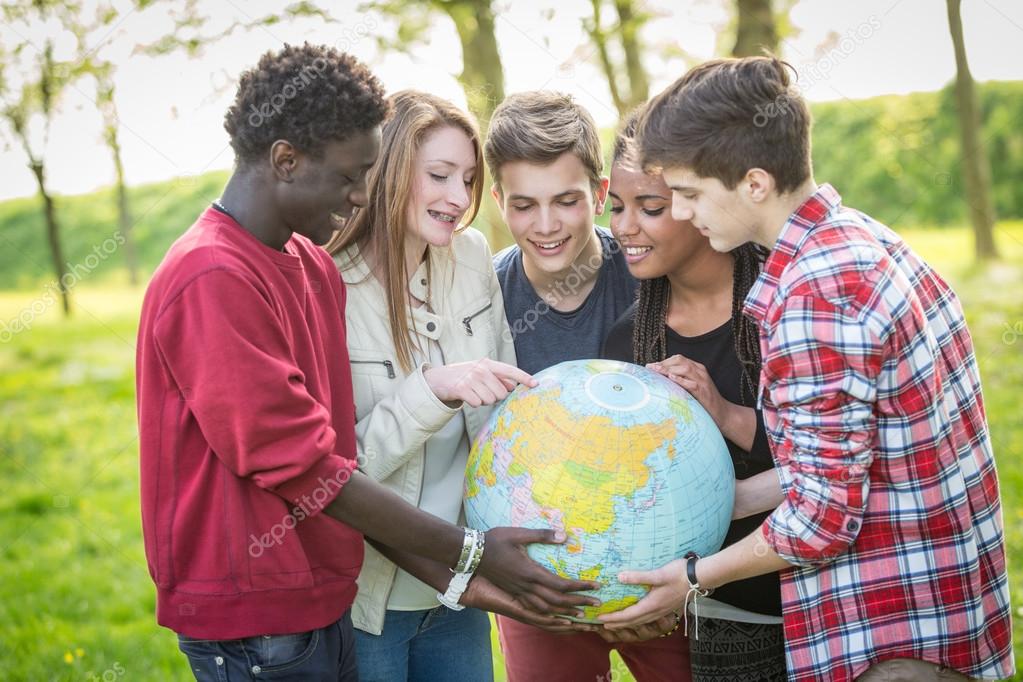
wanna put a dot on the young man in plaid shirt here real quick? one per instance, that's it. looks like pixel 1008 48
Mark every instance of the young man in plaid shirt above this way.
pixel 888 526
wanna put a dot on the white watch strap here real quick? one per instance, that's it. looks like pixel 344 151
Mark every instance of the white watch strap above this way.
pixel 459 581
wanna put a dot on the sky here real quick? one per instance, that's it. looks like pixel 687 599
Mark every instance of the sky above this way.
pixel 171 107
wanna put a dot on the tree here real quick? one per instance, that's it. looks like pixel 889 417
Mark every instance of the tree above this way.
pixel 91 62
pixel 756 30
pixel 111 124
pixel 976 170
pixel 28 107
pixel 482 74
pixel 626 31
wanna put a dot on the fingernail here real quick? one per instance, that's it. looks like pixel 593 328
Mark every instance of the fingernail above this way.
pixel 559 536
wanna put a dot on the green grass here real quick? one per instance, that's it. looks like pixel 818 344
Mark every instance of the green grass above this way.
pixel 75 596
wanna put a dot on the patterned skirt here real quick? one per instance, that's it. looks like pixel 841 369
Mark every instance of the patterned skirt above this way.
pixel 731 651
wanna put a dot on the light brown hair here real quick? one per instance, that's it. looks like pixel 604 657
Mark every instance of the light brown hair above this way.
pixel 538 127
pixel 382 225
pixel 727 116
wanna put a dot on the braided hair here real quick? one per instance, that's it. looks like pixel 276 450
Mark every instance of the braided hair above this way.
pixel 649 342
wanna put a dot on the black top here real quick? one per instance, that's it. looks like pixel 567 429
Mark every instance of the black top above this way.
pixel 715 350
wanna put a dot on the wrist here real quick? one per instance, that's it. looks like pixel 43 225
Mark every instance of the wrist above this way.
pixel 697 573
pixel 465 568
pixel 429 376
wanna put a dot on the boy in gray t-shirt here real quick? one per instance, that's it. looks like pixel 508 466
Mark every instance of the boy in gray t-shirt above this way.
pixel 545 335
pixel 565 283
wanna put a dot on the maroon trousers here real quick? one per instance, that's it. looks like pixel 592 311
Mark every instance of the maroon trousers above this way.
pixel 533 654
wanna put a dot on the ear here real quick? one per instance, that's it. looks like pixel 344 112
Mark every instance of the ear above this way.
pixel 495 191
pixel 758 185
pixel 600 196
pixel 283 160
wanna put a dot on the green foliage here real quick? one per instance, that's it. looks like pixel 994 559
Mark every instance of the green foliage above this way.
pixel 898 157
pixel 75 594
pixel 894 157
pixel 162 212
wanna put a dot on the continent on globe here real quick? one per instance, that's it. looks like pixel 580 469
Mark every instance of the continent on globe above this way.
pixel 625 461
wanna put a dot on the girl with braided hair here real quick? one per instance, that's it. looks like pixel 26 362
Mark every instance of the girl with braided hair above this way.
pixel 687 324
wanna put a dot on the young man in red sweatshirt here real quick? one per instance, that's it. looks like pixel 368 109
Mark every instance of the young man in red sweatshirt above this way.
pixel 253 508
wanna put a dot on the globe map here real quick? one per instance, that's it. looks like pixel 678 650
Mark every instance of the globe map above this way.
pixel 625 461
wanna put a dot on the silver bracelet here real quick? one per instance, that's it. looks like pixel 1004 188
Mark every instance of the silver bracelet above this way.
pixel 460 579
pixel 468 540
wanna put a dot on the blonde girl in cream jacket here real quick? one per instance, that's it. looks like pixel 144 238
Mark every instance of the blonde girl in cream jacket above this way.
pixel 431 353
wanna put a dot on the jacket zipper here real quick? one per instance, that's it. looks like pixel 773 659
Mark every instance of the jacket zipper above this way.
pixel 467 321
pixel 386 363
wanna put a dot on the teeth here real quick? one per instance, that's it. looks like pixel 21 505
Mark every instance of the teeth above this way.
pixel 551 245
pixel 337 217
pixel 637 250
pixel 442 216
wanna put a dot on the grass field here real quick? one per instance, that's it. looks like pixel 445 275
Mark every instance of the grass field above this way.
pixel 76 601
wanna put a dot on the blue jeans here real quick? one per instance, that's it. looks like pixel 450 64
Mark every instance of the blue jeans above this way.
pixel 327 654
pixel 438 645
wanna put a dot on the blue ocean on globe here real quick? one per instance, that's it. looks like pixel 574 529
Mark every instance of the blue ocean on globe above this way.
pixel 628 463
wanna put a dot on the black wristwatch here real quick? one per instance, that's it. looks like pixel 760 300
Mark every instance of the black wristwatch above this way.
pixel 691 559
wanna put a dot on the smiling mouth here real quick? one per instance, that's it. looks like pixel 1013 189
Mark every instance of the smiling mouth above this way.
pixel 637 250
pixel 443 217
pixel 548 246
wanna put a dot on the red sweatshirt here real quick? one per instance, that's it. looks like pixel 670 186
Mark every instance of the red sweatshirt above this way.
pixel 246 430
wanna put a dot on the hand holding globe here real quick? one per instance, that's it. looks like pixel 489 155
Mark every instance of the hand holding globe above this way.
pixel 624 461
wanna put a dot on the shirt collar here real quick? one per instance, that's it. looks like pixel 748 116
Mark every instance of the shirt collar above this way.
pixel 355 272
pixel 824 201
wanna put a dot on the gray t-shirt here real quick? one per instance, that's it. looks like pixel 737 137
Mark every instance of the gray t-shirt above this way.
pixel 544 336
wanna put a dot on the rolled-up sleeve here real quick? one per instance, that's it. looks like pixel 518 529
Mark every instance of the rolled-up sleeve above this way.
pixel 821 373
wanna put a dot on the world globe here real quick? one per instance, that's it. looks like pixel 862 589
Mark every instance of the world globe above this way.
pixel 622 459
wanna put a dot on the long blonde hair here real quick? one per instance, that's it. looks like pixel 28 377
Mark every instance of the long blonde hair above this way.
pixel 382 225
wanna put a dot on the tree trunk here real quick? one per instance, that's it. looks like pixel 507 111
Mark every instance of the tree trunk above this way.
pixel 756 30
pixel 123 209
pixel 629 24
pixel 52 234
pixel 482 79
pixel 599 39
pixel 976 171
pixel 482 75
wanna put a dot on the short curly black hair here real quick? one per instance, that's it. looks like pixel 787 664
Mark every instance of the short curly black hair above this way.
pixel 308 95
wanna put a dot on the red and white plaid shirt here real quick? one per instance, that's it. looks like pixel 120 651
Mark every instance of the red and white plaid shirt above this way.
pixel 872 403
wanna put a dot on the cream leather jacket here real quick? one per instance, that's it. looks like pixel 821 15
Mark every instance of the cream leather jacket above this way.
pixel 397 412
